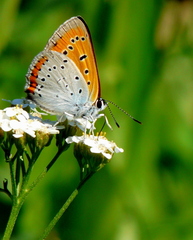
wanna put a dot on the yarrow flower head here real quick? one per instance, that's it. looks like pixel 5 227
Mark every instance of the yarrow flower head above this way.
pixel 93 151
pixel 19 124
pixel 19 121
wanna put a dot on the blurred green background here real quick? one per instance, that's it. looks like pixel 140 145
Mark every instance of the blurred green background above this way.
pixel 144 51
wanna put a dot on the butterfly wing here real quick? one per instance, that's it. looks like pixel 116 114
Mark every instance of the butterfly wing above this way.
pixel 64 77
pixel 73 39
pixel 55 84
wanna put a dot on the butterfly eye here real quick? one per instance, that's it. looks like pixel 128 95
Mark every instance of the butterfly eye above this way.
pixel 100 103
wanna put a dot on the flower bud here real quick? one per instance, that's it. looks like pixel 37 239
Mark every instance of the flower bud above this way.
pixel 42 139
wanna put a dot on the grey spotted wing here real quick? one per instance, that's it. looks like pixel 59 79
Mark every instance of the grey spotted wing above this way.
pixel 55 84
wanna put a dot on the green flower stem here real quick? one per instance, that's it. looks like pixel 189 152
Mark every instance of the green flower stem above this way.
pixel 26 178
pixel 15 208
pixel 84 180
pixel 59 214
pixel 18 201
pixel 12 176
pixel 64 207
pixel 17 198
pixel 12 219
pixel 5 189
pixel 42 175
pixel 17 204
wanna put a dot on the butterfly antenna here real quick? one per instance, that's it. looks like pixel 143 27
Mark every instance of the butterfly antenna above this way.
pixel 122 111
pixel 112 115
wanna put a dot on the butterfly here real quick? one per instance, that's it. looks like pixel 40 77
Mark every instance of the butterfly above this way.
pixel 63 79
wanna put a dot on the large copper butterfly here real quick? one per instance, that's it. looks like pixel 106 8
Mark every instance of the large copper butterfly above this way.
pixel 63 78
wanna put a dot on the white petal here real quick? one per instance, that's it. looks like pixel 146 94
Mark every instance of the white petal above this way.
pixel 14 124
pixel 36 125
pixel 30 132
pixel 90 142
pixel 117 149
pixel 10 112
pixel 17 135
pixel 21 117
pixel 75 139
pixel 107 155
pixel 69 140
pixel 5 125
pixel 53 131
pixel 25 114
pixel 95 150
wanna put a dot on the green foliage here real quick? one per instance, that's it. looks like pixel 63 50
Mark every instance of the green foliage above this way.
pixel 144 52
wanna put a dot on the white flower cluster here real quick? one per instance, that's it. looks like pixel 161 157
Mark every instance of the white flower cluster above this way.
pixel 97 144
pixel 18 121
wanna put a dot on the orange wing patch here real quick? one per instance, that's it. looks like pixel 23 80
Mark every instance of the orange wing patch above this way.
pixel 73 39
pixel 34 75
